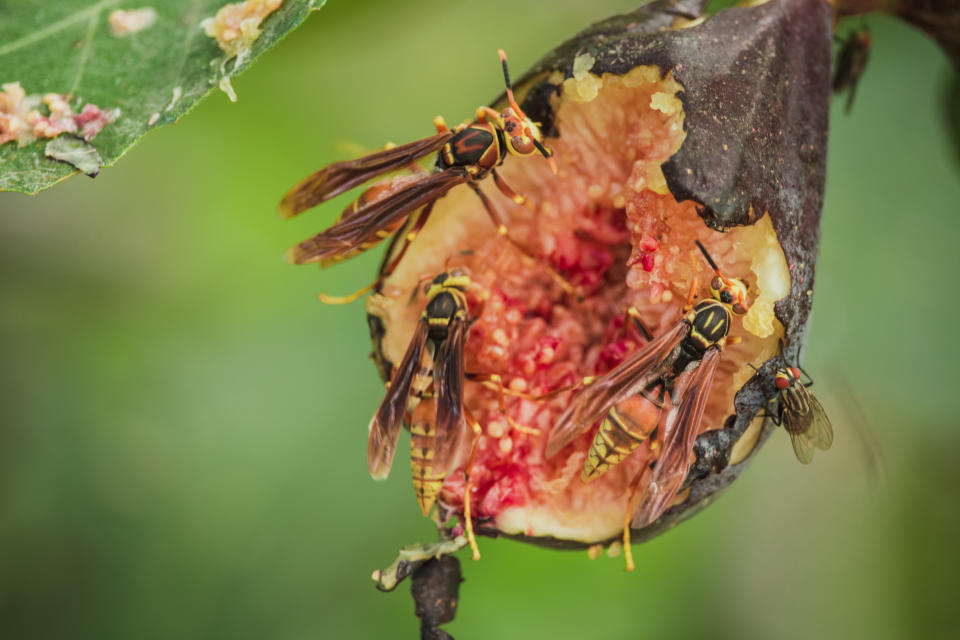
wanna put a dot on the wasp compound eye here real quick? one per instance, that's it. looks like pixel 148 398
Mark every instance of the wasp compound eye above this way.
pixel 717 283
pixel 522 144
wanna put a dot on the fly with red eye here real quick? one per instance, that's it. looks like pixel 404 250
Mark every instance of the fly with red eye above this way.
pixel 465 155
pixel 801 414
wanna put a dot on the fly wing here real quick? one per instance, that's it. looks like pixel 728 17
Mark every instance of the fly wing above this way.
pixel 806 422
pixel 448 378
pixel 802 447
pixel 372 223
pixel 679 434
pixel 386 423
pixel 338 177
pixel 596 399
pixel 821 431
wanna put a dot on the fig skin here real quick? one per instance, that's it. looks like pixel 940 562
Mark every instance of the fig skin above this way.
pixel 756 91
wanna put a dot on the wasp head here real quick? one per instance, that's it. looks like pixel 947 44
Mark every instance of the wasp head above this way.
pixel 522 134
pixel 730 291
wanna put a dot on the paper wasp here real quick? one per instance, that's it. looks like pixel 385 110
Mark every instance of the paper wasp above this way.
pixel 681 363
pixel 851 62
pixel 466 154
pixel 426 394
pixel 801 413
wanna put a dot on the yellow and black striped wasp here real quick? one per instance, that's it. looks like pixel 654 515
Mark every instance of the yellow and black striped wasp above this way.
pixel 800 413
pixel 467 154
pixel 681 363
pixel 431 372
pixel 426 394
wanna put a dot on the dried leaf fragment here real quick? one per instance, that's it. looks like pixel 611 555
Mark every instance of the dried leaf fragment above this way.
pixel 76 152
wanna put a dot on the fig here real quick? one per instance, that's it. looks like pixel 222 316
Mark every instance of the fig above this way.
pixel 667 128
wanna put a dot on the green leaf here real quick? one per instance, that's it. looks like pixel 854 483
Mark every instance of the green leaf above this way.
pixel 153 76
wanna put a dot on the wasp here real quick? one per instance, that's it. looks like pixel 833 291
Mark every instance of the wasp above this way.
pixel 465 155
pixel 426 395
pixel 681 363
pixel 801 413
pixel 851 62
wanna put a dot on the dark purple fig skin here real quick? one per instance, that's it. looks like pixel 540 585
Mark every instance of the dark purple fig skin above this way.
pixel 756 79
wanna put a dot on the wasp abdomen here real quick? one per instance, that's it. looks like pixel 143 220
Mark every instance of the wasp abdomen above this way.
pixel 427 479
pixel 625 428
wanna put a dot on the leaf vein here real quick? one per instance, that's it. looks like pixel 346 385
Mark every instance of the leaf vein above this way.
pixel 85 52
pixel 59 25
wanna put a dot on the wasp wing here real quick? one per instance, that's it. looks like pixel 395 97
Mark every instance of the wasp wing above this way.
pixel 805 421
pixel 448 379
pixel 338 177
pixel 596 399
pixel 679 434
pixel 386 423
pixel 372 223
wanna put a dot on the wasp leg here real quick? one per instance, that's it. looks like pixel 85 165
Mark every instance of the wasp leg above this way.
pixel 508 191
pixel 409 237
pixel 634 314
pixel 467 518
pixel 440 124
pixel 518 198
pixel 643 476
pixel 628 517
pixel 486 114
pixel 503 231
pixel 694 285
pixel 488 383
pixel 495 382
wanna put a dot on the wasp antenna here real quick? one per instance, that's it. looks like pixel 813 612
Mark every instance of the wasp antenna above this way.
pixel 506 70
pixel 546 154
pixel 703 250
pixel 542 149
pixel 506 81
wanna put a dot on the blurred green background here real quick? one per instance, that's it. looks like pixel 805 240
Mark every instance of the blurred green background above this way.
pixel 183 425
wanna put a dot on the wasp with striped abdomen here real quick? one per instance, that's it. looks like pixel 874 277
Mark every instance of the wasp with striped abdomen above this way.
pixel 627 401
pixel 466 154
pixel 425 394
